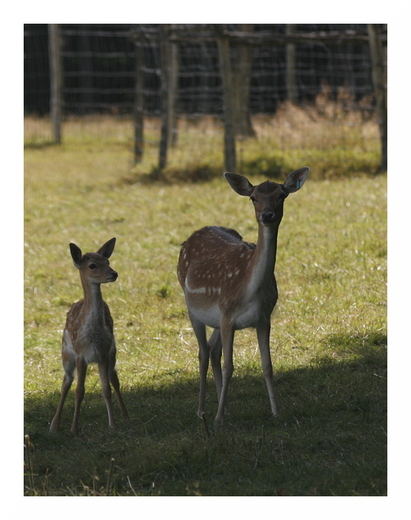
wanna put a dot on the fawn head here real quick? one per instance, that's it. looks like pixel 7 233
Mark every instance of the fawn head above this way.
pixel 268 197
pixel 95 267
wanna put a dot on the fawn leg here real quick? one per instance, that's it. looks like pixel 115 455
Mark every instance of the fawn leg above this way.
pixel 105 384
pixel 69 365
pixel 81 377
pixel 116 385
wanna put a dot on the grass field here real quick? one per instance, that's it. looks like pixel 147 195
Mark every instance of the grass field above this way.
pixel 328 336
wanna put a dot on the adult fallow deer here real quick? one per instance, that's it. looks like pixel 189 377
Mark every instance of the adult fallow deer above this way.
pixel 229 284
pixel 88 335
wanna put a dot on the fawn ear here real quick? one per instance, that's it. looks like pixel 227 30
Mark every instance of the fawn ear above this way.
pixel 76 255
pixel 296 179
pixel 239 183
pixel 107 249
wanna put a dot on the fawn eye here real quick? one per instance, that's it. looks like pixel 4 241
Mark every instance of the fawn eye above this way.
pixel 92 266
pixel 253 199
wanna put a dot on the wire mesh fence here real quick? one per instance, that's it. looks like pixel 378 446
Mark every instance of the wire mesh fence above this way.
pixel 116 73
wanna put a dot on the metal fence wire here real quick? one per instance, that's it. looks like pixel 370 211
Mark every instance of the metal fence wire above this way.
pixel 119 70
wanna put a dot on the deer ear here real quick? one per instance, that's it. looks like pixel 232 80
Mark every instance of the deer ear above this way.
pixel 107 249
pixel 76 255
pixel 239 183
pixel 296 179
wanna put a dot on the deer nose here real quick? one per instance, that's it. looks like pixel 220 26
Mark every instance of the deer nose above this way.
pixel 267 216
pixel 113 276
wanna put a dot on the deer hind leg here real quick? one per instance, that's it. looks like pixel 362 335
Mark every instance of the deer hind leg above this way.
pixel 116 385
pixel 203 356
pixel 215 346
pixel 227 339
pixel 263 336
pixel 69 364
pixel 81 377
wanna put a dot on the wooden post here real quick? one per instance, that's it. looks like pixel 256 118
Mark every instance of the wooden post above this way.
pixel 164 47
pixel 173 94
pixel 379 77
pixel 241 86
pixel 290 73
pixel 139 105
pixel 169 84
pixel 86 67
pixel 225 68
pixel 55 82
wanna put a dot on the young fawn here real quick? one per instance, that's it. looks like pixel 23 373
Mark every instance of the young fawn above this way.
pixel 229 284
pixel 88 335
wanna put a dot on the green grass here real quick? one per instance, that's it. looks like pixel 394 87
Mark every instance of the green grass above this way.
pixel 328 337
pixel 338 143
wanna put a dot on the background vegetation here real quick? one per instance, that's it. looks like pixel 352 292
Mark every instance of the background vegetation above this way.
pixel 329 328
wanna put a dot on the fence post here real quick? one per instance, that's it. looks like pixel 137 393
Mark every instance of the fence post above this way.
pixel 241 77
pixel 379 78
pixel 87 69
pixel 168 64
pixel 138 104
pixel 173 93
pixel 55 81
pixel 291 80
pixel 225 67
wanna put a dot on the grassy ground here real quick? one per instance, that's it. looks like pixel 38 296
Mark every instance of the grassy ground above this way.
pixel 328 337
pixel 338 142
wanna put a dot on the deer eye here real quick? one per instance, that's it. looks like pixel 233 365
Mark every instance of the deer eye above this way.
pixel 253 199
pixel 92 266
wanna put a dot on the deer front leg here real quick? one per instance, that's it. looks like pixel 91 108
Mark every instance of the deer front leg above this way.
pixel 263 336
pixel 69 365
pixel 227 339
pixel 65 387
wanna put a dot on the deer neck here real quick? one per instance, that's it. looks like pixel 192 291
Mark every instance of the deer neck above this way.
pixel 264 256
pixel 93 302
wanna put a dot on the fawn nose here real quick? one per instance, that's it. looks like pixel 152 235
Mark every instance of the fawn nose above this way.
pixel 267 216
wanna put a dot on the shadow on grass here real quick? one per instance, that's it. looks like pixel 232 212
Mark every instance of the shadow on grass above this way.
pixel 330 438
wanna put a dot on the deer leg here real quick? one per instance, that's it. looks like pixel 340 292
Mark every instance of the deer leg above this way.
pixel 227 339
pixel 263 336
pixel 215 355
pixel 69 364
pixel 203 356
pixel 81 377
pixel 116 385
pixel 106 389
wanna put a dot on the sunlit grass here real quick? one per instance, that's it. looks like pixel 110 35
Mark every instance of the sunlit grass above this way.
pixel 328 335
pixel 339 142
